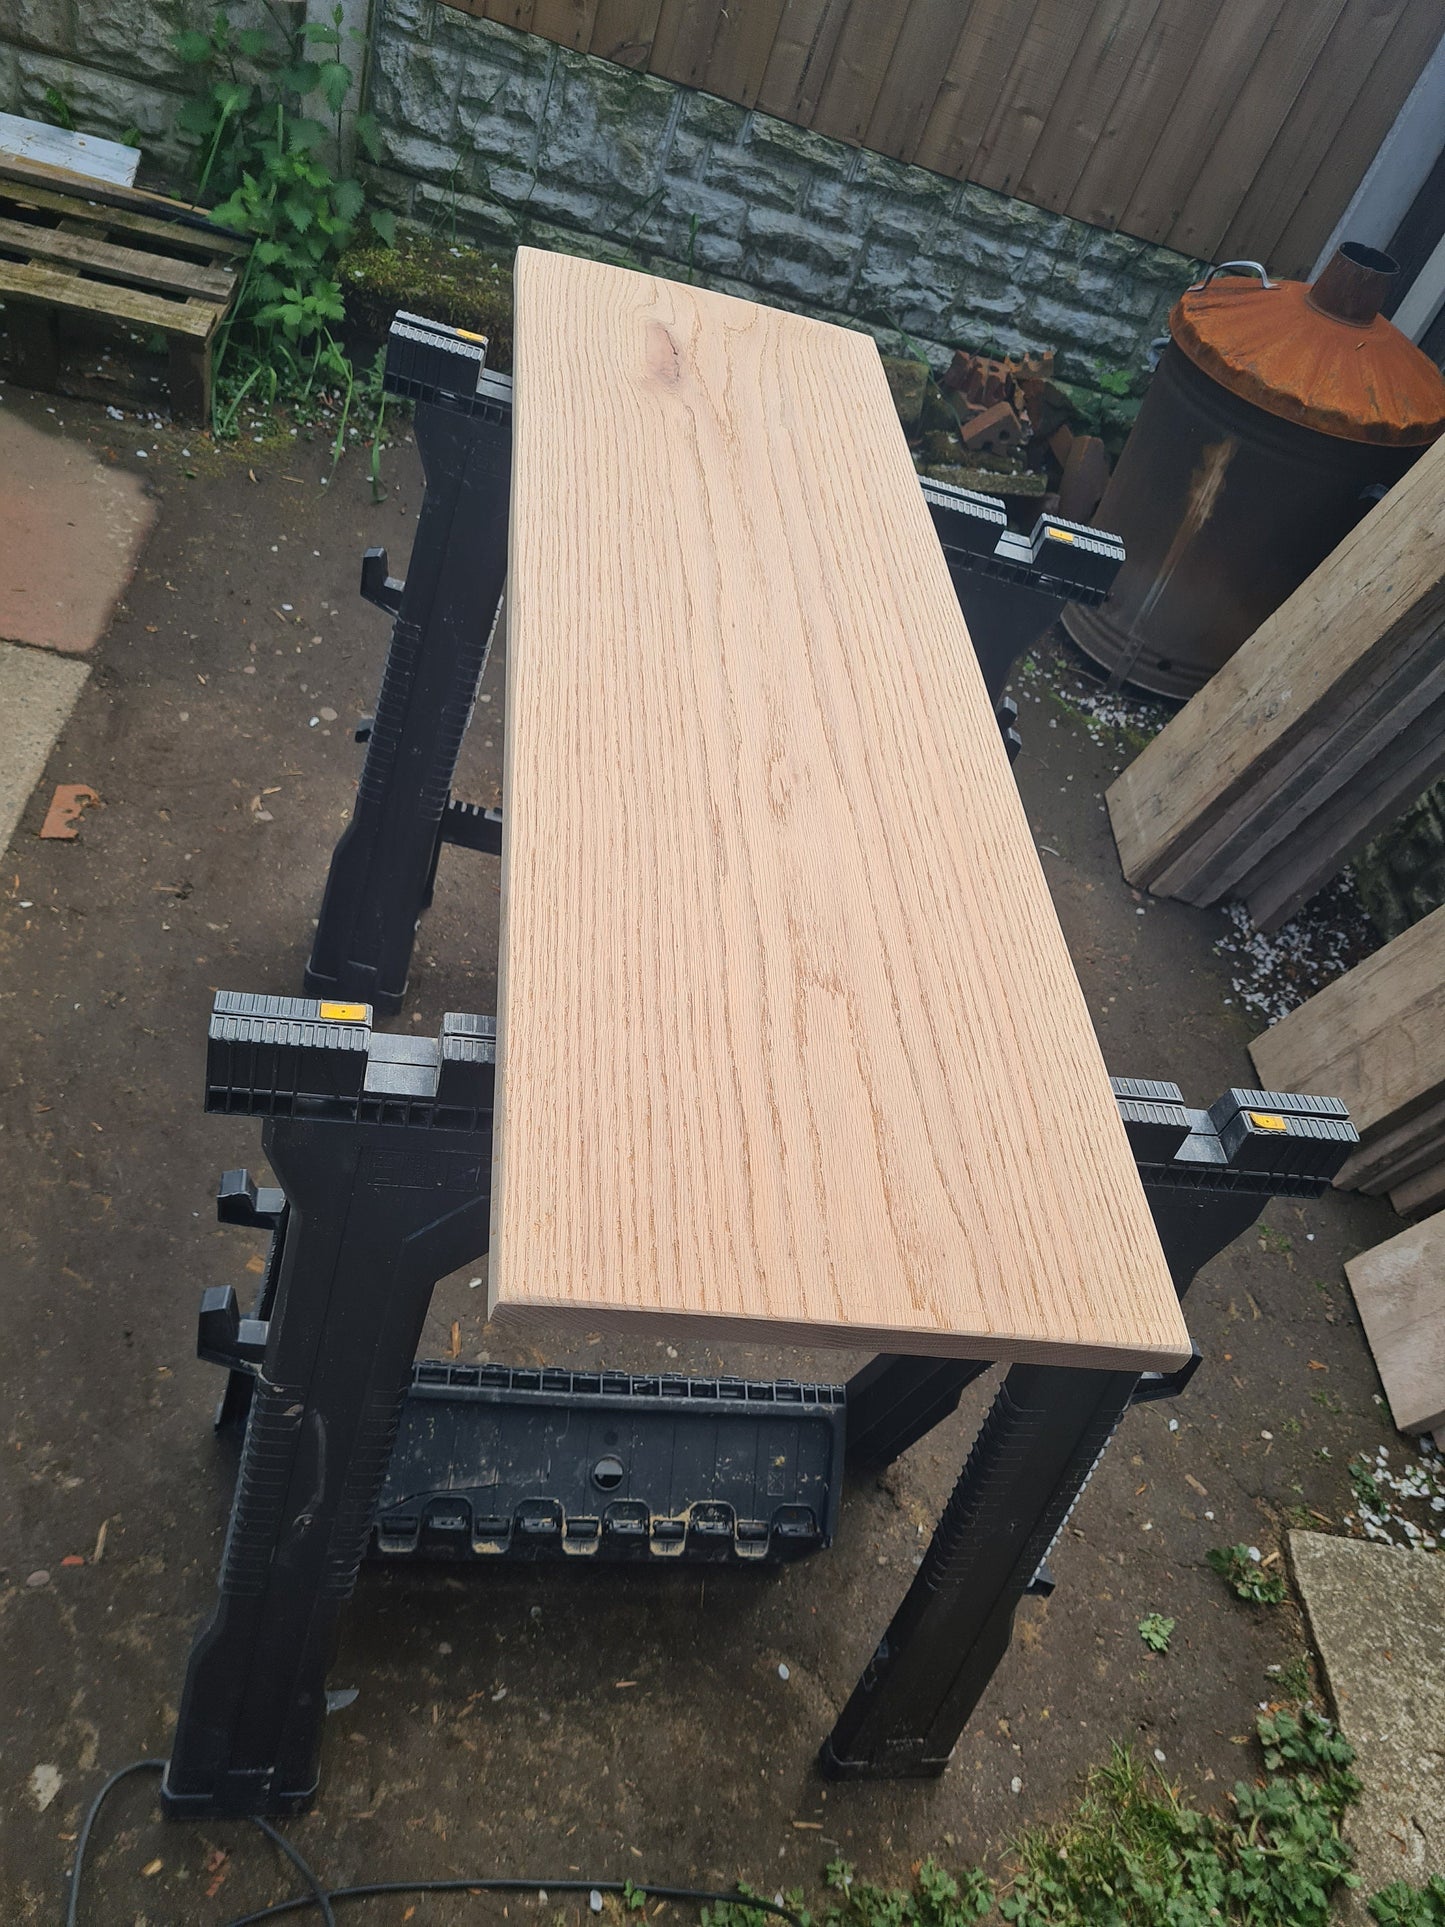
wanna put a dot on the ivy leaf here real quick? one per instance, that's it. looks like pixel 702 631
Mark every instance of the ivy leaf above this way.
pixel 194 48
pixel 384 222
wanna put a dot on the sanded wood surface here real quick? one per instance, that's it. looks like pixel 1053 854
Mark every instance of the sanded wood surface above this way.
pixel 1374 1037
pixel 790 1042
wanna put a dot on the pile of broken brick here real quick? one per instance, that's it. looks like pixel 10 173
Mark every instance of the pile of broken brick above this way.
pixel 1002 425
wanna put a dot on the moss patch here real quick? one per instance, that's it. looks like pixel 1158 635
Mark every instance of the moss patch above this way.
pixel 467 287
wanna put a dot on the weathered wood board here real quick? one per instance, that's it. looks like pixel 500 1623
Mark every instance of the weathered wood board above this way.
pixel 1282 708
pixel 791 1047
pixel 1374 1037
pixel 1399 1288
pixel 87 154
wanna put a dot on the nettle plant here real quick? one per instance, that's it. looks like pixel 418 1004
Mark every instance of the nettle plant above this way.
pixel 275 168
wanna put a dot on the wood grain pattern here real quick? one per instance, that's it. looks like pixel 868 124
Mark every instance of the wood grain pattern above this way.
pixel 790 1042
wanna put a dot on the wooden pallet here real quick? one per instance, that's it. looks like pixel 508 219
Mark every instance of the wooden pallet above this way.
pixel 70 246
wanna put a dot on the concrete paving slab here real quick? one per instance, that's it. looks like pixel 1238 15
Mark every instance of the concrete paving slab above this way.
pixel 74 529
pixel 1378 1618
pixel 37 694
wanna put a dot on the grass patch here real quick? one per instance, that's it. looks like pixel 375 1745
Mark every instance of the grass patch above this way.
pixel 1135 1853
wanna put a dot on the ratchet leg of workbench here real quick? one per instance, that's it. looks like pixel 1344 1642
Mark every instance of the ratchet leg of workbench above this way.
pixel 1042 1437
pixel 377 1212
pixel 382 868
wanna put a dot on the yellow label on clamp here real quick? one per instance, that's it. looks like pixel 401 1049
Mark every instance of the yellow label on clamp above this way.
pixel 344 1013
pixel 1266 1121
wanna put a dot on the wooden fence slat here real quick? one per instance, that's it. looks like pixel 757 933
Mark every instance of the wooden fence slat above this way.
pixel 568 22
pixel 1311 126
pixel 1081 108
pixel 683 40
pixel 801 56
pixel 1028 95
pixel 1183 152
pixel 1270 89
pixel 1151 94
pixel 859 64
pixel 971 87
pixel 916 73
pixel 623 31
pixel 508 13
pixel 1211 126
pixel 1326 194
pixel 740 52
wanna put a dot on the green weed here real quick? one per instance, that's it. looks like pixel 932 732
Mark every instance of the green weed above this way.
pixel 1242 1571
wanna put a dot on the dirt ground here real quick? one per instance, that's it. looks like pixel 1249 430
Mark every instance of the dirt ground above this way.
pixel 532 1721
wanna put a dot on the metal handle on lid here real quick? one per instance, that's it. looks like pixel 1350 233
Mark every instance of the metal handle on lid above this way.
pixel 1233 267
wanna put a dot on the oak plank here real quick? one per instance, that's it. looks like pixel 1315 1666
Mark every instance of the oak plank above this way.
pixel 1374 1037
pixel 790 1044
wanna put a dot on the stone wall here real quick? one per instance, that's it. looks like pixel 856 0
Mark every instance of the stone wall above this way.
pixel 112 61
pixel 495 136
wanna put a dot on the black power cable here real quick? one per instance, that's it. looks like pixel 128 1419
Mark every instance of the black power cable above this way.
pixel 323 1898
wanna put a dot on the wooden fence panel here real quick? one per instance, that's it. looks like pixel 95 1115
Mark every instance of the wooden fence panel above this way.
pixel 1218 127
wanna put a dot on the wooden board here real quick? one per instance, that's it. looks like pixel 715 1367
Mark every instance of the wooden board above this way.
pixel 1369 601
pixel 86 154
pixel 1375 1037
pixel 1399 1288
pixel 790 1043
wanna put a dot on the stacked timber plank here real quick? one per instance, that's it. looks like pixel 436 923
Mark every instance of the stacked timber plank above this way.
pixel 1399 1288
pixel 1315 735
pixel 1376 1038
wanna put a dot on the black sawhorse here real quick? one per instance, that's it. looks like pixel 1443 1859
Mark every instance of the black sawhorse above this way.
pixel 382 1145
pixel 1009 586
